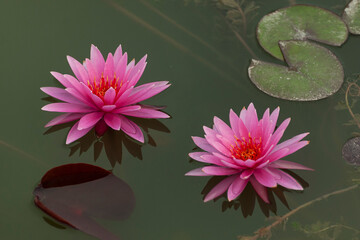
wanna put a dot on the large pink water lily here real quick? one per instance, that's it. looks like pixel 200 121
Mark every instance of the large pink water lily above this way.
pixel 102 94
pixel 248 151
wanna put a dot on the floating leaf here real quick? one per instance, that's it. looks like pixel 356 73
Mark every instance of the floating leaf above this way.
pixel 313 73
pixel 351 151
pixel 351 16
pixel 76 194
pixel 300 22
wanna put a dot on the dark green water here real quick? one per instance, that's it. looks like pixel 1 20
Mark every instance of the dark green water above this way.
pixel 37 35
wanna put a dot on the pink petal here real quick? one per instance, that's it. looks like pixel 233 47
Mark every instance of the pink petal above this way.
pixel 97 59
pixel 113 120
pixel 131 129
pixel 93 74
pixel 146 113
pixel 244 132
pixel 127 109
pixel 147 92
pixel 223 128
pixel 234 123
pixel 246 174
pixel 247 163
pixel 229 165
pixel 108 108
pixel 64 118
pixel 83 99
pixel 109 96
pixel 60 94
pixel 264 178
pixel 251 119
pixel 196 172
pixel 280 131
pixel 117 54
pixel 75 134
pixel 220 188
pixel 289 165
pixel 120 67
pixel 219 171
pixel 260 189
pixel 263 164
pixel 203 144
pixel 123 97
pixel 277 155
pixel 273 119
pixel 78 69
pixel 236 188
pixel 129 67
pixel 109 68
pixel 293 148
pixel 197 156
pixel 66 107
pixel 61 79
pixel 243 114
pixel 81 89
pixel 219 147
pixel 287 181
pixel 139 67
pixel 97 101
pixel 89 120
pixel 290 141
pixel 209 158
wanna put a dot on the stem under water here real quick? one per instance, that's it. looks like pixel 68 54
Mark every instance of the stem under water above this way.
pixel 347 102
pixel 266 231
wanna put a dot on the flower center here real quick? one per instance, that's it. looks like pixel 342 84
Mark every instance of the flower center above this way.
pixel 246 149
pixel 100 88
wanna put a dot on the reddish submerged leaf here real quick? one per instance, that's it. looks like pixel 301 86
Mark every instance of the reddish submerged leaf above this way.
pixel 76 194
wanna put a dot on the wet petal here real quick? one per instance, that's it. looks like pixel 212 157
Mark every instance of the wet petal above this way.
pixel 219 171
pixel 203 144
pixel 246 174
pixel 289 165
pixel 109 96
pixel 64 118
pixel 97 59
pixel 287 181
pixel 89 120
pixel 75 133
pixel 196 172
pixel 113 120
pixel 264 178
pixel 260 189
pixel 220 188
pixel 66 107
pixel 131 129
pixel 236 188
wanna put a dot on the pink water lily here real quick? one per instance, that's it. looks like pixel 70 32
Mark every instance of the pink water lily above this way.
pixel 248 151
pixel 102 94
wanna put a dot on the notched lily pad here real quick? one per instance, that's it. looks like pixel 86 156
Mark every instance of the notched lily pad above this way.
pixel 351 16
pixel 351 151
pixel 300 22
pixel 313 73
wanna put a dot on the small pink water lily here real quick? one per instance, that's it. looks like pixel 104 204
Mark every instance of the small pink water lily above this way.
pixel 102 94
pixel 248 151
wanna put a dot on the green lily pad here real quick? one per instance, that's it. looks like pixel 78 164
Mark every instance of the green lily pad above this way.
pixel 314 72
pixel 351 16
pixel 300 22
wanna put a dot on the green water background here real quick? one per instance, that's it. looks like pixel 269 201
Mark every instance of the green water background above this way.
pixel 37 35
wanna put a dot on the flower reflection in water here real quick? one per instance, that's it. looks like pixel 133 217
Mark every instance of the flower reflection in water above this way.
pixel 247 200
pixel 77 194
pixel 112 142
